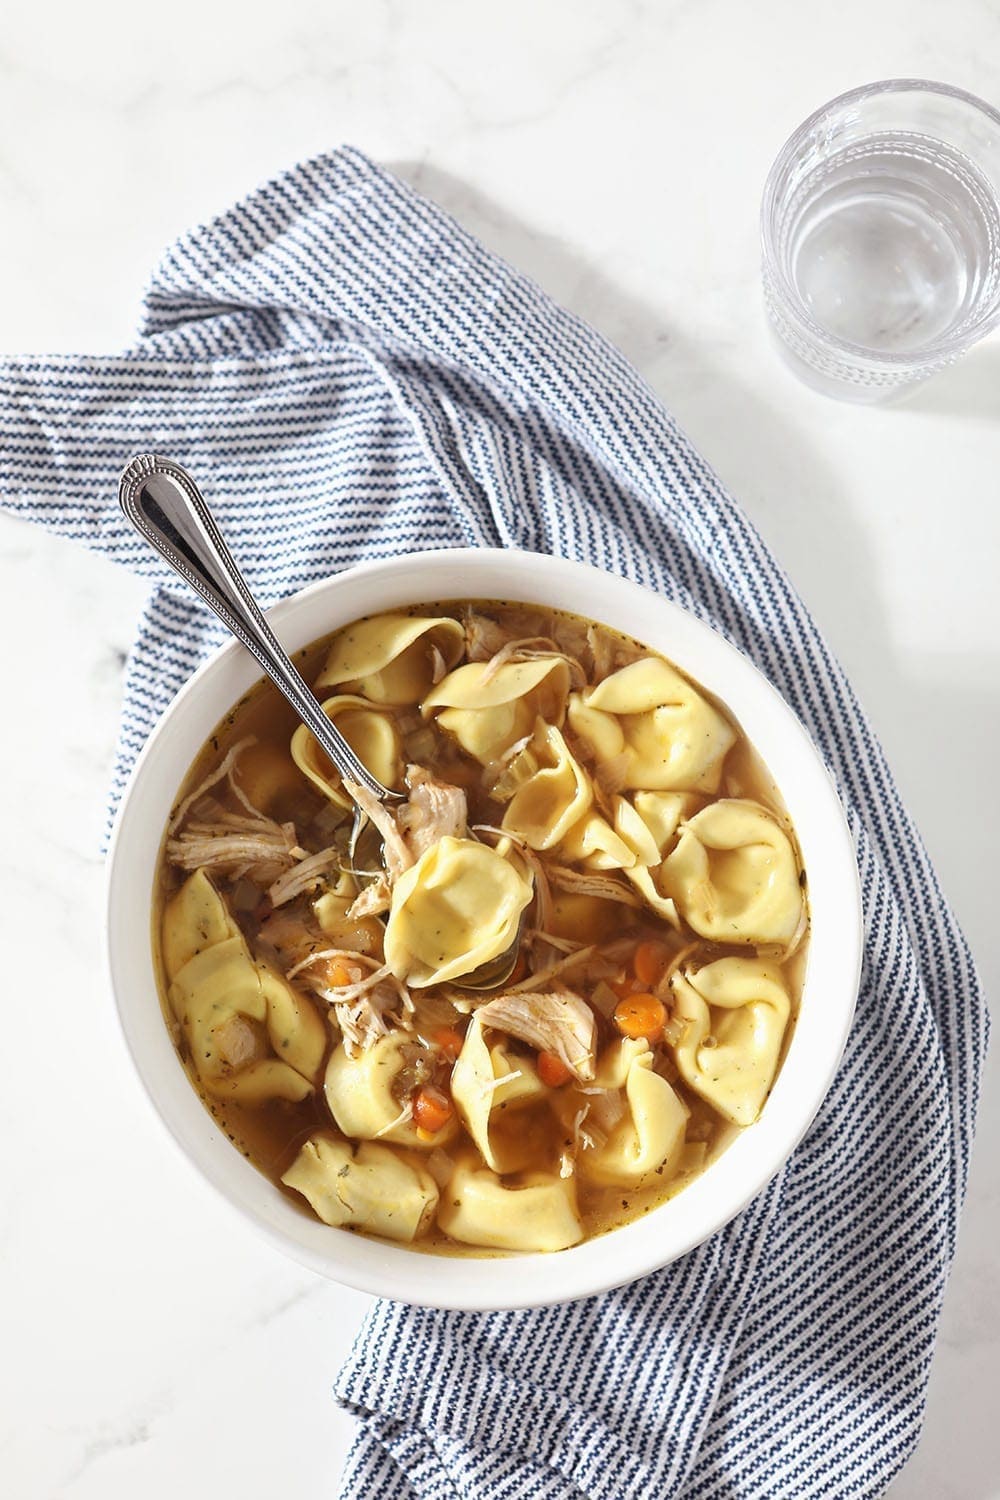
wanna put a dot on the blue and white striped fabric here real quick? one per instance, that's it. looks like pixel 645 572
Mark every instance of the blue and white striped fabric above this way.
pixel 352 376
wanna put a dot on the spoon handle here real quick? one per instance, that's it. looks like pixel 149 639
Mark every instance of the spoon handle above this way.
pixel 165 506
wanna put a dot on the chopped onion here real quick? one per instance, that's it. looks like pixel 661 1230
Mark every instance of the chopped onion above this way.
pixel 329 818
pixel 607 1107
pixel 604 999
pixel 245 895
pixel 514 775
pixel 673 1030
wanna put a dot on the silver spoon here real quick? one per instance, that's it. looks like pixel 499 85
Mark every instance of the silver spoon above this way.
pixel 165 506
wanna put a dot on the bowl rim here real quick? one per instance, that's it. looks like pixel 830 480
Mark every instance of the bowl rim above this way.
pixel 480 1281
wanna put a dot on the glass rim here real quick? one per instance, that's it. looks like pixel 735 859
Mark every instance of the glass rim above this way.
pixel 941 349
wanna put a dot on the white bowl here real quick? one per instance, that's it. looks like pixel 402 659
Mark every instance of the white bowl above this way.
pixel 827 1002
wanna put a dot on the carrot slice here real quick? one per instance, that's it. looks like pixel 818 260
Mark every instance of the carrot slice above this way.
pixel 641 1015
pixel 449 1040
pixel 552 1070
pixel 650 962
pixel 431 1110
pixel 336 972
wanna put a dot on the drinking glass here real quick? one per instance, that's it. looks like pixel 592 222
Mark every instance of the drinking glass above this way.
pixel 880 229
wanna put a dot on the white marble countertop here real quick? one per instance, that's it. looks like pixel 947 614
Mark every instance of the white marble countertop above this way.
pixel 616 152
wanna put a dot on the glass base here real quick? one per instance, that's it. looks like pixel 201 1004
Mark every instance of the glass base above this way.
pixel 842 387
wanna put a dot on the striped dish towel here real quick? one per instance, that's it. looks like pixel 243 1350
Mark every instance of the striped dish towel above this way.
pixel 352 376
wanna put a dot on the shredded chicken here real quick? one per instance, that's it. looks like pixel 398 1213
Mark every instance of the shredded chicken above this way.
pixel 364 1020
pixel 435 809
pixel 363 973
pixel 394 848
pixel 483 637
pixel 533 648
pixel 560 966
pixel 602 650
pixel 375 899
pixel 588 884
pixel 557 1021
pixel 372 1003
pixel 560 944
pixel 588 1139
pixel 405 1114
pixel 304 876
pixel 619 950
pixel 221 771
pixel 607 1107
pixel 242 798
pixel 538 644
pixel 439 667
pixel 231 846
pixel 491 1085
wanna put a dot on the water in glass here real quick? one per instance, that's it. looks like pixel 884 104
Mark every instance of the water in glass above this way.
pixel 893 242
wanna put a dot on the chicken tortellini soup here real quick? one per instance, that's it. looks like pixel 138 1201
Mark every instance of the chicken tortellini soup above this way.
pixel 537 994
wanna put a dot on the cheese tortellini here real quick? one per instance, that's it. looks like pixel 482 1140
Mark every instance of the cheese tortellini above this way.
pixel 734 875
pixel 593 843
pixel 735 1013
pixel 487 1086
pixel 194 919
pixel 539 1213
pixel 361 1094
pixel 372 734
pixel 456 909
pixel 650 1135
pixel 647 826
pixel 392 658
pixel 251 1035
pixel 554 798
pixel 488 710
pixel 364 1187
pixel 667 736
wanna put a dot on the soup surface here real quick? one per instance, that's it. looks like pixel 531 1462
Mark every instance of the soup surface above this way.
pixel 529 999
